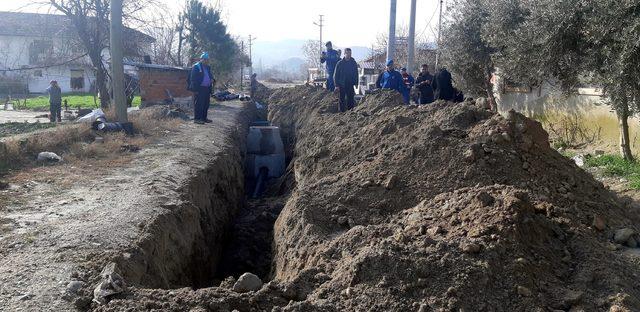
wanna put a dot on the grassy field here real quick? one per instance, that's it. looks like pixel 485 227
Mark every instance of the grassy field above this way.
pixel 75 100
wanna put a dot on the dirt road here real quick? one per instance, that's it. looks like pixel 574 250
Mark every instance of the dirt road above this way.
pixel 57 231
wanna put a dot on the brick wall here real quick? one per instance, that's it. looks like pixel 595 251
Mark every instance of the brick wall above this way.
pixel 154 83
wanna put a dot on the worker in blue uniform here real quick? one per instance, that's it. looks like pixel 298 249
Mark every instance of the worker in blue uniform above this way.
pixel 331 57
pixel 391 79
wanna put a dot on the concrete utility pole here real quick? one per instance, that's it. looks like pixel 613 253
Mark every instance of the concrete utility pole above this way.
pixel 391 44
pixel 412 38
pixel 117 69
pixel 320 24
pixel 439 31
pixel 251 38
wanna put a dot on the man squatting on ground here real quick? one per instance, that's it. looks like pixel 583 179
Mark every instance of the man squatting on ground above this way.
pixel 331 57
pixel 346 78
pixel 201 83
pixel 55 101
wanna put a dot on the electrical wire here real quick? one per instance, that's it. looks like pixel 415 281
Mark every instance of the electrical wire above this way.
pixel 430 20
pixel 44 66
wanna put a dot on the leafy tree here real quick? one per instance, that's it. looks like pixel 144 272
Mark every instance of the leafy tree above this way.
pixel 613 29
pixel 207 32
pixel 465 52
pixel 564 41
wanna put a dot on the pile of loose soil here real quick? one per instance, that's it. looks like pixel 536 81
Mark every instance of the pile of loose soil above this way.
pixel 446 206
pixel 262 93
pixel 443 207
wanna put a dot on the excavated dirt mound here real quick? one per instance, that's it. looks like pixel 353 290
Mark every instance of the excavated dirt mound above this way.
pixel 445 207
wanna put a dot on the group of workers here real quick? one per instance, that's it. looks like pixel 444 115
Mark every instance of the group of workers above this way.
pixel 342 77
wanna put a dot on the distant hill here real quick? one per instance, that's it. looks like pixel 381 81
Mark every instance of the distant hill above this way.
pixel 275 53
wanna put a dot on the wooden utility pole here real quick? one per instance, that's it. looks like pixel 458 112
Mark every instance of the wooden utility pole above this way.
pixel 242 67
pixel 117 68
pixel 251 38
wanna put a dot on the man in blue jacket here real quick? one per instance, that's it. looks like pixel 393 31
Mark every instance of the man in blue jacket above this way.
pixel 331 57
pixel 201 83
pixel 391 79
pixel 346 78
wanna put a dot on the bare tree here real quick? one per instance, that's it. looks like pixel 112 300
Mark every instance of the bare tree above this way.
pixel 312 54
pixel 90 19
pixel 424 48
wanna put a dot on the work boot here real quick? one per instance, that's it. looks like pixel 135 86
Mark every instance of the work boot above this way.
pixel 208 121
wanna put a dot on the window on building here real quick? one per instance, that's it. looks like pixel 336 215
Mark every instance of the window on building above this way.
pixel 77 79
pixel 39 51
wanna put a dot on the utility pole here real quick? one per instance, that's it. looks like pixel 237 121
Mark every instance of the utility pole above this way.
pixel 391 44
pixel 251 38
pixel 242 67
pixel 320 24
pixel 439 32
pixel 412 38
pixel 117 69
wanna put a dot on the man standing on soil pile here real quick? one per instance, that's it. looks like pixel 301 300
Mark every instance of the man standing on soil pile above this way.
pixel 331 57
pixel 55 101
pixel 424 85
pixel 201 83
pixel 346 78
pixel 391 79
pixel 443 86
pixel 408 82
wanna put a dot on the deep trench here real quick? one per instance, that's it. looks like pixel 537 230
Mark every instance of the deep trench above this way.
pixel 219 231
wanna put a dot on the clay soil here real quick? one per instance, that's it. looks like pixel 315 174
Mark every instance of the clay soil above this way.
pixel 445 207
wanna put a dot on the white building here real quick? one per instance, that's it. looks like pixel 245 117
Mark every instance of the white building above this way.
pixel 38 48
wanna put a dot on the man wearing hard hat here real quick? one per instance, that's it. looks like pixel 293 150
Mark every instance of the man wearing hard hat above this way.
pixel 201 83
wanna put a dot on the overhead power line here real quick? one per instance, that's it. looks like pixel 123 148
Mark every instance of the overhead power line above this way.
pixel 43 66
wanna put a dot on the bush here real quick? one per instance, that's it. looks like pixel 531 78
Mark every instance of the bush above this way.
pixel 570 130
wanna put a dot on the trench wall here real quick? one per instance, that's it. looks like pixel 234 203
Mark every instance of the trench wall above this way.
pixel 182 245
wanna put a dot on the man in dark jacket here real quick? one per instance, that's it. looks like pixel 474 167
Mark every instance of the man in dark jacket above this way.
pixel 331 57
pixel 443 86
pixel 408 82
pixel 201 83
pixel 55 101
pixel 346 78
pixel 423 84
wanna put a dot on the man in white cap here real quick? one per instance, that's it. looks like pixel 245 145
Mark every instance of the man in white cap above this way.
pixel 201 83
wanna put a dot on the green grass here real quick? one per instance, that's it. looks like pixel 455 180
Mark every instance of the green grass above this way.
pixel 616 166
pixel 13 128
pixel 75 100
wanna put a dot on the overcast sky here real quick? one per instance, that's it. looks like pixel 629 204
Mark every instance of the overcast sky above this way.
pixel 348 22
